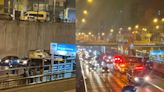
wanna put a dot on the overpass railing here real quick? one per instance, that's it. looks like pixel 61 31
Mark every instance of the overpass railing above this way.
pixel 16 78
pixel 116 43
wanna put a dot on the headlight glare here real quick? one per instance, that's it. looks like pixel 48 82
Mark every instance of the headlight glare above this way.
pixel 136 79
pixel 147 78
pixel 6 61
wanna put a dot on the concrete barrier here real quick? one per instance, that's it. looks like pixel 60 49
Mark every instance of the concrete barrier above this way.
pixel 68 85
pixel 17 38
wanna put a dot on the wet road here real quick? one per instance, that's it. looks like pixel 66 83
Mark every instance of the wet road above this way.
pixel 113 82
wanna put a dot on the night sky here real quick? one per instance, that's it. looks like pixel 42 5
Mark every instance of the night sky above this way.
pixel 117 13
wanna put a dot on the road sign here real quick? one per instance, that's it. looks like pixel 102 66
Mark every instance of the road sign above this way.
pixel 63 49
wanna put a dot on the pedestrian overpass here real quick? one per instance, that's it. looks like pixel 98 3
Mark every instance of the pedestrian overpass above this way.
pixel 114 44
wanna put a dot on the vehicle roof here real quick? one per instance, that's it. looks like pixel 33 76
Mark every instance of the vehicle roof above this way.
pixel 40 12
pixel 10 57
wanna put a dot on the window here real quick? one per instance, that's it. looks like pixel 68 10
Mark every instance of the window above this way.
pixel 36 15
pixel 61 62
pixel 46 68
pixel 68 61
pixel 57 3
pixel 55 62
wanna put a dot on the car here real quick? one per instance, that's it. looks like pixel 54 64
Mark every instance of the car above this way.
pixel 105 70
pixel 129 88
pixel 120 64
pixel 24 61
pixel 35 16
pixel 10 61
pixel 138 74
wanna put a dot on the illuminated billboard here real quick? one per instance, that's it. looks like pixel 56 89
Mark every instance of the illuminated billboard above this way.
pixel 157 55
pixel 63 49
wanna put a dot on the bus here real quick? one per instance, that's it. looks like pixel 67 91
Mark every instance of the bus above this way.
pixel 41 16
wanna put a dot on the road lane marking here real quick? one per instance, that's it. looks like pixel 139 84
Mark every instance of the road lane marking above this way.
pixel 158 77
pixel 86 90
pixel 159 88
pixel 100 82
pixel 107 82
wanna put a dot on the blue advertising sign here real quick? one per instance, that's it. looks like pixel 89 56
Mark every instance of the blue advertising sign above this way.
pixel 157 55
pixel 68 66
pixel 61 67
pixel 157 52
pixel 63 49
pixel 55 67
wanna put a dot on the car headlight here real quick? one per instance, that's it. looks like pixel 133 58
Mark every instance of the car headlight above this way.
pixel 6 61
pixel 147 78
pixel 24 62
pixel 18 61
pixel 136 79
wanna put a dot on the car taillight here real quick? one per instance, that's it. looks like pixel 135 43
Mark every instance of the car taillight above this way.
pixel 139 68
pixel 122 65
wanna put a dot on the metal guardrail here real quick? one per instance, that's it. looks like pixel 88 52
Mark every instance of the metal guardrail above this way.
pixel 136 43
pixel 11 81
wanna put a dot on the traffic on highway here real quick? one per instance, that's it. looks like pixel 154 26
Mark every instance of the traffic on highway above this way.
pixel 121 45
pixel 111 72
pixel 39 67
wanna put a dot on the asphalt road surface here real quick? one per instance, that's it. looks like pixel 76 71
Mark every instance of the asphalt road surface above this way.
pixel 113 82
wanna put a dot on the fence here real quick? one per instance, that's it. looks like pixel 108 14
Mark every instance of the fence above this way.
pixel 17 77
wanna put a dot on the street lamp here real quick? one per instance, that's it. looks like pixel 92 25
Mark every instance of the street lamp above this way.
pixel 85 12
pixel 111 30
pixel 144 29
pixel 90 1
pixel 162 19
pixel 103 34
pixel 83 20
pixel 137 26
pixel 89 33
pixel 129 28
pixel 155 20
pixel 121 28
pixel 157 27
pixel 133 32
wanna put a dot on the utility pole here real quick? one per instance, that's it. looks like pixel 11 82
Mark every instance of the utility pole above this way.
pixel 17 10
pixel 54 7
pixel 37 11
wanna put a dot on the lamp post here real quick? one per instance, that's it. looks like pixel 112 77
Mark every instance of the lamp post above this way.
pixel 83 20
pixel 162 19
pixel 90 1
pixel 85 12
pixel 155 20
